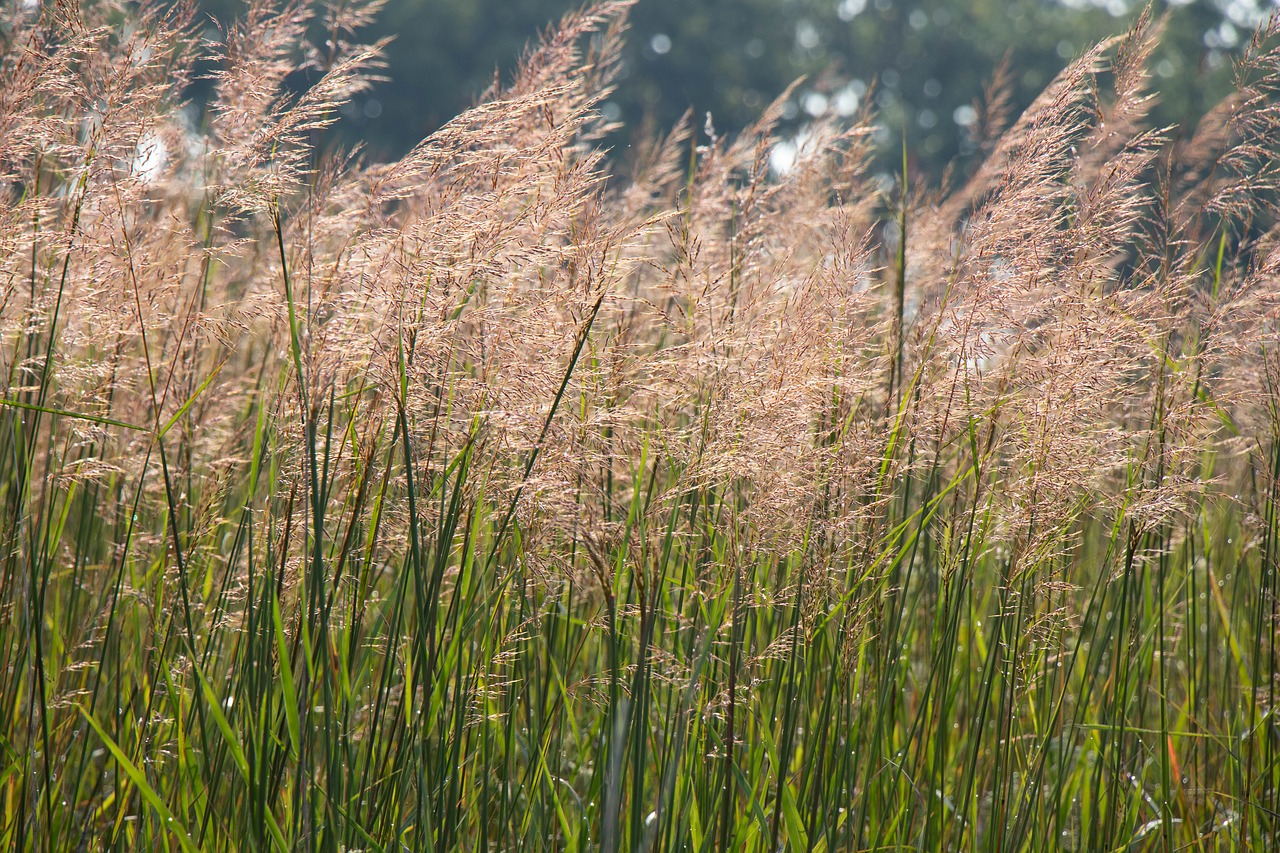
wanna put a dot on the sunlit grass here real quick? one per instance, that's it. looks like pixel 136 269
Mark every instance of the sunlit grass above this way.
pixel 478 502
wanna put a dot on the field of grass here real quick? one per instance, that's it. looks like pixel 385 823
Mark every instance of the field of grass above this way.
pixel 509 497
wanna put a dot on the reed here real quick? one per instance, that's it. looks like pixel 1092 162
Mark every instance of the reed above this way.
pixel 509 497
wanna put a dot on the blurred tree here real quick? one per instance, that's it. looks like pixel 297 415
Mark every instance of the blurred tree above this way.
pixel 931 58
pixel 724 56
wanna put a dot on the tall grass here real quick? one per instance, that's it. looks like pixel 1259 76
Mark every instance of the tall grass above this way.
pixel 503 498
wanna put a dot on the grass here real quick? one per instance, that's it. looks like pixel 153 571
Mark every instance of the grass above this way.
pixel 503 498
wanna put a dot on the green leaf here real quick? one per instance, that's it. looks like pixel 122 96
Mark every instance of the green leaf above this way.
pixel 140 781
pixel 79 416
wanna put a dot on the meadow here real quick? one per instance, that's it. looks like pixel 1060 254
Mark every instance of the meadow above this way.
pixel 526 495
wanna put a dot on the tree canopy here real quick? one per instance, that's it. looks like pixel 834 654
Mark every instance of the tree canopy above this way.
pixel 925 62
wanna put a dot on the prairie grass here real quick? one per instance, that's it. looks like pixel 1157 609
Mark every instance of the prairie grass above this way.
pixel 508 497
